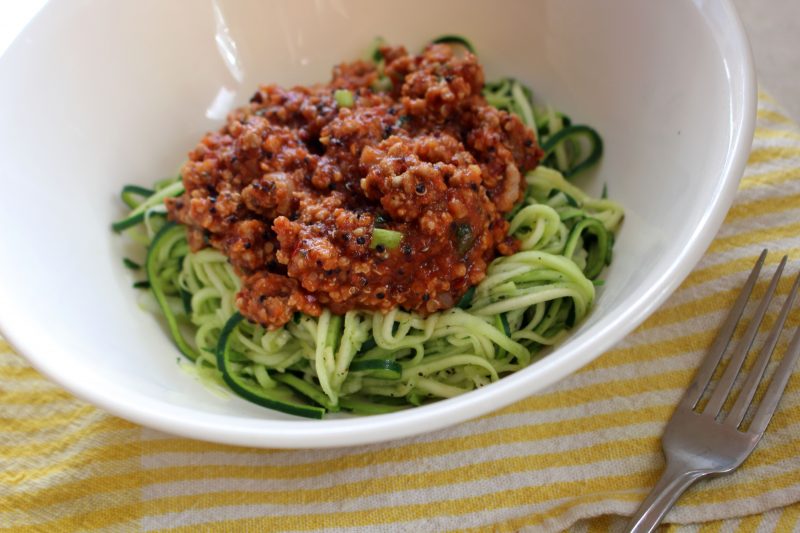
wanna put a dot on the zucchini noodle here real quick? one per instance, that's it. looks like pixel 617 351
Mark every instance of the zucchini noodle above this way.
pixel 369 362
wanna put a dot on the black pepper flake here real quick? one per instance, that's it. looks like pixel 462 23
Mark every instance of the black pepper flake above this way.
pixel 380 248
pixel 346 237
pixel 528 143
pixel 473 186
pixel 230 219
pixel 212 210
pixel 426 297
pixel 420 188
pixel 387 131
pixel 361 240
pixel 262 298
pixel 331 186
pixel 406 248
pixel 267 154
pixel 319 263
pixel 247 245
pixel 380 296
pixel 449 78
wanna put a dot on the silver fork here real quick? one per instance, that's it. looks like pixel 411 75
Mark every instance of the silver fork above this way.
pixel 697 444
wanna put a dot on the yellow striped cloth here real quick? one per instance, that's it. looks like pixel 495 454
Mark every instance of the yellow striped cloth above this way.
pixel 577 456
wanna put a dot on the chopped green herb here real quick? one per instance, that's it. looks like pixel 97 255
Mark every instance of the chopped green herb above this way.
pixel 388 239
pixel 344 98
pixel 464 238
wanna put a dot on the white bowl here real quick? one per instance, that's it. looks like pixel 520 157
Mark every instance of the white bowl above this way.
pixel 97 94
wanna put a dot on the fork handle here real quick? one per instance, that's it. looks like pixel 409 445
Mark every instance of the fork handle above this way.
pixel 676 478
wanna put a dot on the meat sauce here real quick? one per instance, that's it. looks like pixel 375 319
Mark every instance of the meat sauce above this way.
pixel 293 186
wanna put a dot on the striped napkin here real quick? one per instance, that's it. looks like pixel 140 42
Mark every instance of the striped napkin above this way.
pixel 578 456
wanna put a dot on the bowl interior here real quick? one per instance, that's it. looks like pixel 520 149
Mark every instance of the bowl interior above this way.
pixel 99 94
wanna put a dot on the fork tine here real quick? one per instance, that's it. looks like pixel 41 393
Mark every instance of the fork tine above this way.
pixel 750 386
pixel 739 354
pixel 706 370
pixel 779 380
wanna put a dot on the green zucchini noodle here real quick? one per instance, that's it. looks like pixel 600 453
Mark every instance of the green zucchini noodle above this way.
pixel 369 362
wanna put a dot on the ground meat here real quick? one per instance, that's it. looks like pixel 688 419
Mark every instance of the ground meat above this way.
pixel 292 188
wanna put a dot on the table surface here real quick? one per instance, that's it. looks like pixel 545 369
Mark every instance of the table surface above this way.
pixel 774 30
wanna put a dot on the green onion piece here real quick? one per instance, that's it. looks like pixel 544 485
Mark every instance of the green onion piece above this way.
pixel 383 85
pixel 454 39
pixel 374 51
pixel 343 97
pixel 389 239
pixel 133 265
